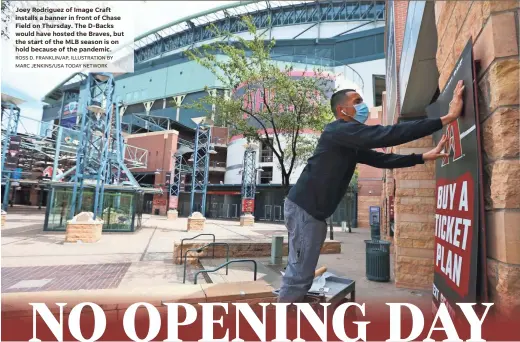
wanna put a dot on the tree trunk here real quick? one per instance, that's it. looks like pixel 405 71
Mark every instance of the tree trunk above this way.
pixel 285 184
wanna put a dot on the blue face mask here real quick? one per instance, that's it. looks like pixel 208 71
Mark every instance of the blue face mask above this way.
pixel 361 112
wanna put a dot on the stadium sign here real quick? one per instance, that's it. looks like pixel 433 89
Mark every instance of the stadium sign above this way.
pixel 458 220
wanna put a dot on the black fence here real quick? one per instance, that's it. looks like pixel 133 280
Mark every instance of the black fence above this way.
pixel 269 206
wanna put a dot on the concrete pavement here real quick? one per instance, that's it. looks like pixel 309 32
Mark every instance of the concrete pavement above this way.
pixel 36 260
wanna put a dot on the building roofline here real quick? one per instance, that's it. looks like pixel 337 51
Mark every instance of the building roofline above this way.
pixel 193 16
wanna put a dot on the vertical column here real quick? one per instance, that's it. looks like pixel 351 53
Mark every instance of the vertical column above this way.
pixel 13 117
pixel 248 187
pixel 175 187
pixel 415 219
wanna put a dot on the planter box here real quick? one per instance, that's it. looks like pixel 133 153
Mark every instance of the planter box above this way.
pixel 84 228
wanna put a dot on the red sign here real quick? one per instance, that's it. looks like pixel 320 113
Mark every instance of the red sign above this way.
pixel 391 205
pixel 248 205
pixel 454 231
pixel 159 201
pixel 454 144
pixel 459 256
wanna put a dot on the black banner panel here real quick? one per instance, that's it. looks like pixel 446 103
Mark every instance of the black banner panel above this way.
pixel 458 195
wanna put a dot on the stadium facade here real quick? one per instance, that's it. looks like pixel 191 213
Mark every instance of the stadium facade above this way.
pixel 343 37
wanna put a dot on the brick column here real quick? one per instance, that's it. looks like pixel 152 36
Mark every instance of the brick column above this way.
pixel 387 192
pixel 493 27
pixel 414 219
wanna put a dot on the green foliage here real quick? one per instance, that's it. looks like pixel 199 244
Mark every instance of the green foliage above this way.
pixel 354 181
pixel 270 103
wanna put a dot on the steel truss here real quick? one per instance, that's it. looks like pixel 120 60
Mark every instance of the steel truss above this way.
pixel 181 167
pixel 200 169
pixel 96 149
pixel 101 151
pixel 10 120
pixel 265 15
pixel 249 172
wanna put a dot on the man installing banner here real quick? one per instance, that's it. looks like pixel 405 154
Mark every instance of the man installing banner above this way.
pixel 324 180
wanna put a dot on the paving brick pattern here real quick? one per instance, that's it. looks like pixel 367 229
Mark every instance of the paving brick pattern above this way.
pixel 63 277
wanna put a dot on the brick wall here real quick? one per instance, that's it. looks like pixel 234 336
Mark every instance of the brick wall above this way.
pixel 414 196
pixel 220 134
pixel 493 28
pixel 369 180
pixel 400 13
pixel 160 146
pixel 414 219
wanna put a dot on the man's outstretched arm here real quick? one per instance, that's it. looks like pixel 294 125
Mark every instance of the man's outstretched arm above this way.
pixel 353 134
pixel 395 161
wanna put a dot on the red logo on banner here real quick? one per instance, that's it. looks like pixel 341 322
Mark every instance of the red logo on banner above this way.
pixel 248 205
pixel 454 144
pixel 454 231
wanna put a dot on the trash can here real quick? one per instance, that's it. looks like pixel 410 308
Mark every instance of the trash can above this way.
pixel 375 233
pixel 377 260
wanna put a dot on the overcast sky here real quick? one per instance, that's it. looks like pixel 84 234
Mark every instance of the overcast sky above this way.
pixel 147 16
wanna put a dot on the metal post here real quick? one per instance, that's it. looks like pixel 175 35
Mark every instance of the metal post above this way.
pixel 11 129
pixel 5 201
pixel 277 250
pixel 249 174
pixel 81 152
pixel 206 173
pixel 61 107
pixel 200 170
pixel 105 141
pixel 57 153
pixel 331 228
pixel 194 171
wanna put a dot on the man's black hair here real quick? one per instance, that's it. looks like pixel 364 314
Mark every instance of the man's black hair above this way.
pixel 337 98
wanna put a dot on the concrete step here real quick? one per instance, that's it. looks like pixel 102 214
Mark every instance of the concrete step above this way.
pixel 239 249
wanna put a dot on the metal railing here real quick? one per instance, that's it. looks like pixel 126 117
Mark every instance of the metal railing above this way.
pixel 193 238
pixel 226 265
pixel 200 249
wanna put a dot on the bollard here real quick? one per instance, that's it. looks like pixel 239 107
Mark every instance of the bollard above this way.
pixel 277 250
pixel 343 226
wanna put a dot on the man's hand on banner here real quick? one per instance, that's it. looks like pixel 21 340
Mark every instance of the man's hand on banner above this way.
pixel 456 104
pixel 440 151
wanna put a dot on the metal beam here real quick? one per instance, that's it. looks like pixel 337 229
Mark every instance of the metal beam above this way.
pixel 139 121
pixel 200 170
pixel 11 119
